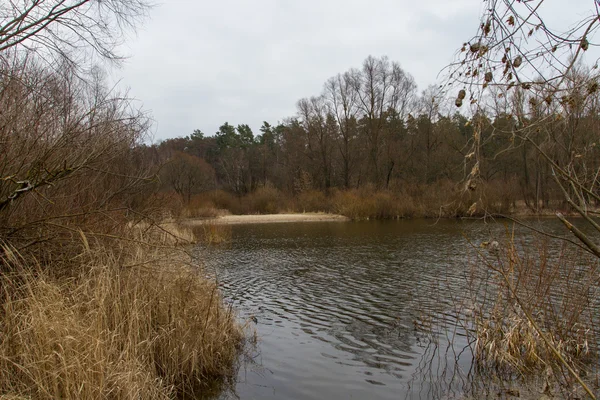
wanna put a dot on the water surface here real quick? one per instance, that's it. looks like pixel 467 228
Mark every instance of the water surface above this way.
pixel 351 309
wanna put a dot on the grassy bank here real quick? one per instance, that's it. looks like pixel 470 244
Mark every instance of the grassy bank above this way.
pixel 129 320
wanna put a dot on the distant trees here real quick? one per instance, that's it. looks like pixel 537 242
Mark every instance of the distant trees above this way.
pixel 320 131
pixel 383 89
pixel 188 175
pixel 358 131
pixel 351 127
pixel 369 127
pixel 342 103
pixel 236 157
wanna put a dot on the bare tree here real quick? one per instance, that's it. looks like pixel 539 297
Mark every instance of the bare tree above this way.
pixel 70 146
pixel 68 29
pixel 381 86
pixel 515 48
pixel 321 131
pixel 342 101
pixel 188 175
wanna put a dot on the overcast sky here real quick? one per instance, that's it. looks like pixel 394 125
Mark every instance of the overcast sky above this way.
pixel 198 64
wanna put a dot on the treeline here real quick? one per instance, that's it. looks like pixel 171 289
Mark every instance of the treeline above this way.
pixel 371 130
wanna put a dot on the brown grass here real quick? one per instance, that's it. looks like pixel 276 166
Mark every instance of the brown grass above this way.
pixel 134 322
pixel 166 233
pixel 535 313
pixel 214 233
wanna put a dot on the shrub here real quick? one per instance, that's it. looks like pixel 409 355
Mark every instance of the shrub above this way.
pixel 364 204
pixel 264 200
pixel 226 201
pixel 312 201
pixel 201 206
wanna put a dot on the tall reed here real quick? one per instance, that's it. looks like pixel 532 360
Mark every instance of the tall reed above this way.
pixel 534 313
pixel 132 321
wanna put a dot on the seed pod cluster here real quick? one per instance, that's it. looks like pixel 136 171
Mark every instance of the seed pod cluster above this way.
pixel 585 44
pixel 517 61
pixel 459 99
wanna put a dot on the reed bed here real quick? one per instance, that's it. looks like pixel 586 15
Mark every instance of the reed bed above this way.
pixel 214 233
pixel 535 314
pixel 133 320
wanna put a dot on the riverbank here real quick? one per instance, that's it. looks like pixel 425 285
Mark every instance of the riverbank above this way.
pixel 130 318
pixel 222 218
pixel 228 219
pixel 363 204
pixel 267 218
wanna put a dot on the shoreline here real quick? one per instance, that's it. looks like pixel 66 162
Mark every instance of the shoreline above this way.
pixel 266 219
pixel 229 219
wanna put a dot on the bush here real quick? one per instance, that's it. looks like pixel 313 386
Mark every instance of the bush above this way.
pixel 201 206
pixel 264 200
pixel 312 201
pixel 224 200
pixel 365 204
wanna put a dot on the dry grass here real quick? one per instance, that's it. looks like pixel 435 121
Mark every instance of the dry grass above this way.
pixel 214 233
pixel 135 322
pixel 166 233
pixel 535 313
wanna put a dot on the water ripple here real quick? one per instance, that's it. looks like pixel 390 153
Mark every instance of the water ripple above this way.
pixel 336 304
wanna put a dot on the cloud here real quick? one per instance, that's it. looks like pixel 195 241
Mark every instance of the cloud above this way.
pixel 196 65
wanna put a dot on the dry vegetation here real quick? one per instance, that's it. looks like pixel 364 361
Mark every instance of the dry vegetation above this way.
pixel 444 199
pixel 98 296
pixel 135 321
pixel 542 312
pixel 213 233
pixel 535 313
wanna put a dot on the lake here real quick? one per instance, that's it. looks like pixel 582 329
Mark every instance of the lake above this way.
pixel 352 309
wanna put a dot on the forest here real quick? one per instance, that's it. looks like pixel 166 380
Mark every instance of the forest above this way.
pixel 370 132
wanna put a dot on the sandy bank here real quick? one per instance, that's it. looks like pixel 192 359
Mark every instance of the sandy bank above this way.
pixel 268 218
